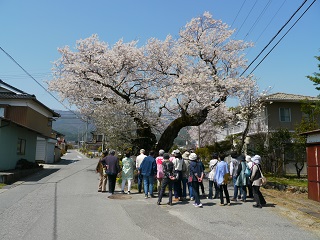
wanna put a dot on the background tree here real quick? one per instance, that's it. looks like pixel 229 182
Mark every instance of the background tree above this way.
pixel 271 147
pixel 316 76
pixel 163 86
pixel 310 121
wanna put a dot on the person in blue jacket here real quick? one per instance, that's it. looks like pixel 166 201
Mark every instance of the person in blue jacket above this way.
pixel 221 177
pixel 148 169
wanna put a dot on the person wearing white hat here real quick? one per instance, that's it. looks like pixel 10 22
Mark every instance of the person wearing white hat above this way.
pixel 213 165
pixel 257 182
pixel 185 174
pixel 196 176
pixel 179 167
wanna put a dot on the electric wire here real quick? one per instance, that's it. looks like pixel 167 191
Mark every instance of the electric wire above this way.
pixel 238 13
pixel 258 19
pixel 272 18
pixel 38 82
pixel 246 18
pixel 283 36
pixel 275 36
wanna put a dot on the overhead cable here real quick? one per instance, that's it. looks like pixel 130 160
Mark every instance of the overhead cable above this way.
pixel 38 82
pixel 258 19
pixel 283 36
pixel 275 36
pixel 246 18
pixel 238 13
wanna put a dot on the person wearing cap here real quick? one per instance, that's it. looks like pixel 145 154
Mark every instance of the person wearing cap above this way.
pixel 213 166
pixel 234 163
pixel 241 177
pixel 221 177
pixel 139 160
pixel 112 169
pixel 185 174
pixel 168 178
pixel 257 182
pixel 196 176
pixel 159 160
pixel 148 169
pixel 172 155
pixel 179 167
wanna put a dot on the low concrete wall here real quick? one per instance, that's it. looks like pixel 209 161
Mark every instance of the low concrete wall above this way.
pixel 10 177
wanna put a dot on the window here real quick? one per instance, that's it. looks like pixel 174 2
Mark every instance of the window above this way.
pixel 21 148
pixel 285 115
pixel 1 112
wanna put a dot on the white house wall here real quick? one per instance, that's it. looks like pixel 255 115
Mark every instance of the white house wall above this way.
pixel 45 150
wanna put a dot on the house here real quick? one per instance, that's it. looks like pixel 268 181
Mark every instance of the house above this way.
pixel 25 128
pixel 279 111
pixel 97 141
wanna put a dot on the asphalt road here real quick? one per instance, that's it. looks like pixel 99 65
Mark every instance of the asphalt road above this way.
pixel 62 202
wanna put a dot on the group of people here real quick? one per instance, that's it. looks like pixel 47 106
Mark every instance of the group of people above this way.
pixel 246 175
pixel 180 173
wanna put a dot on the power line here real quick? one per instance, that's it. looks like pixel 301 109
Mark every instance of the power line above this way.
pixel 246 18
pixel 37 81
pixel 258 19
pixel 275 36
pixel 283 36
pixel 238 13
pixel 273 17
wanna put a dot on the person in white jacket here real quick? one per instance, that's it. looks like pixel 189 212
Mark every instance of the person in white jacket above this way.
pixel 256 182
pixel 213 165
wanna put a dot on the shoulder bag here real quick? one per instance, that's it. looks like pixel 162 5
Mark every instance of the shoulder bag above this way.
pixel 263 178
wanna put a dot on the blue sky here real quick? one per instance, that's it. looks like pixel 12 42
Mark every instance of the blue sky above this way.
pixel 31 31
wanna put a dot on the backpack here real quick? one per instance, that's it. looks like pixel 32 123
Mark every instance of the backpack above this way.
pixel 159 168
pixel 247 171
pixel 235 166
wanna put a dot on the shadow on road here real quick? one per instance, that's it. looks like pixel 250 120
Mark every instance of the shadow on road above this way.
pixel 39 175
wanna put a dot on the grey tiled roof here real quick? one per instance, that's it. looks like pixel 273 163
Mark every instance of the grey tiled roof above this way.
pixel 16 96
pixel 280 97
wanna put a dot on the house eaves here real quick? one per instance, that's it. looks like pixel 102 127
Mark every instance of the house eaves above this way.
pixel 286 97
pixel 14 93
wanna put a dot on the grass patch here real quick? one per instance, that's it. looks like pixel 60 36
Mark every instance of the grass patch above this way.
pixel 289 180
pixel 2 185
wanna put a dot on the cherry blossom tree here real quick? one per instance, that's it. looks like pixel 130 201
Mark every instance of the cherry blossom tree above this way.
pixel 160 87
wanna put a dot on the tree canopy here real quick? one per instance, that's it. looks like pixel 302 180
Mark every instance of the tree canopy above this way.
pixel 157 88
pixel 316 76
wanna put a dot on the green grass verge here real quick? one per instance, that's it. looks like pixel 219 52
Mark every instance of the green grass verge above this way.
pixel 2 185
pixel 289 181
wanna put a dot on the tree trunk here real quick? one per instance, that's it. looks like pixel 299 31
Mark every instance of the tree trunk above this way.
pixel 171 132
pixel 298 169
pixel 145 138
pixel 243 137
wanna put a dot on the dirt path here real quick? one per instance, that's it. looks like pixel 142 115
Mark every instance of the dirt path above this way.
pixel 297 207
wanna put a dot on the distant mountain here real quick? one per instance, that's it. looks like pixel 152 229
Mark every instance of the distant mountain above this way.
pixel 71 126
pixel 74 128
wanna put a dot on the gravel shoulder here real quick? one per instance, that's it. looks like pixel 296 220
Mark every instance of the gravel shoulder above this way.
pixel 295 206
